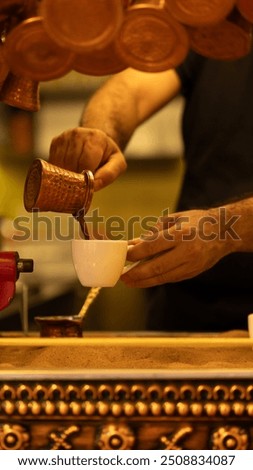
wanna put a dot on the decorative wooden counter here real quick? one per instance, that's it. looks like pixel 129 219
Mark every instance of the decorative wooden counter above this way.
pixel 126 392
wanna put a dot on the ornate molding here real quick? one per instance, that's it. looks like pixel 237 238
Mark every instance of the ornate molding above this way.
pixel 127 399
pixel 230 438
pixel 14 437
pixel 60 438
pixel 172 443
pixel 116 437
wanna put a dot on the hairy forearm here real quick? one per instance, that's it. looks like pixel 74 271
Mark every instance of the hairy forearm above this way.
pixel 126 100
pixel 236 225
pixel 112 109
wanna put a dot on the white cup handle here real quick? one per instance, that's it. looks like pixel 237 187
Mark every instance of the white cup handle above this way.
pixel 130 266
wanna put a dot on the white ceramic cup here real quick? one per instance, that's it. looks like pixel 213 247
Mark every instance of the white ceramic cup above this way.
pixel 99 263
pixel 250 325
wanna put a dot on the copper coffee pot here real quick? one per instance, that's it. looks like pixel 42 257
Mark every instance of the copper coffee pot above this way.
pixel 51 188
pixel 20 92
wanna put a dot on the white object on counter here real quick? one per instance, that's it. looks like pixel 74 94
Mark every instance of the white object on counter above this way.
pixel 250 325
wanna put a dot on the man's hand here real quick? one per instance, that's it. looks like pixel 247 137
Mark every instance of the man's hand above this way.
pixel 181 246
pixel 81 149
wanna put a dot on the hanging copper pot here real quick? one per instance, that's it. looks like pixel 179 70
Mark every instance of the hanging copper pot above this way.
pixel 99 62
pixel 149 39
pixel 82 25
pixel 229 40
pixel 21 93
pixel 200 12
pixel 245 7
pixel 51 188
pixel 30 52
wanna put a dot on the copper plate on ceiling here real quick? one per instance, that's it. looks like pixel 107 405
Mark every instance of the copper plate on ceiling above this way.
pixel 228 40
pixel 150 40
pixel 200 12
pixel 32 53
pixel 99 62
pixel 82 25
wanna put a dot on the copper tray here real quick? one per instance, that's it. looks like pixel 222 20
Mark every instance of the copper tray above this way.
pixel 150 39
pixel 82 26
pixel 30 52
pixel 229 40
pixel 202 12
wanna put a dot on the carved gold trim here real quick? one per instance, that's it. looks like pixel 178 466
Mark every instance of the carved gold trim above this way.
pixel 115 437
pixel 129 399
pixel 172 443
pixel 60 438
pixel 229 438
pixel 14 437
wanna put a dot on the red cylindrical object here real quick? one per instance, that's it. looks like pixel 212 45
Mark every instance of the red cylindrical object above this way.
pixel 8 277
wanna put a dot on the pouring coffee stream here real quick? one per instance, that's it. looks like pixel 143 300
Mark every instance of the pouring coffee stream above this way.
pixel 80 217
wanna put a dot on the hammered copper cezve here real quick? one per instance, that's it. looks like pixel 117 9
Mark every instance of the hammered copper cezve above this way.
pixel 82 25
pixel 30 52
pixel 20 92
pixel 150 39
pixel 50 188
pixel 200 12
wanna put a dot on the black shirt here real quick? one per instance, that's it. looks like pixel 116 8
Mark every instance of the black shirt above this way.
pixel 217 128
